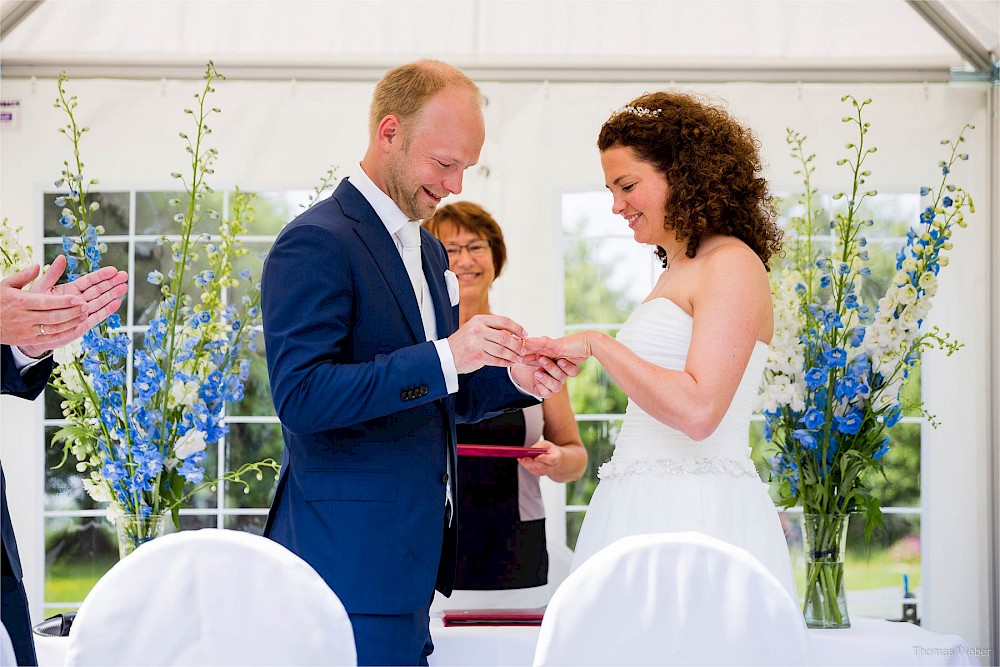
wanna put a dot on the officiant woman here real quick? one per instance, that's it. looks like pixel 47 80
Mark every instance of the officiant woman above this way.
pixel 502 555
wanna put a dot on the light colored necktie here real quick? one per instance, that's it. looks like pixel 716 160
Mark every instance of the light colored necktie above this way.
pixel 409 238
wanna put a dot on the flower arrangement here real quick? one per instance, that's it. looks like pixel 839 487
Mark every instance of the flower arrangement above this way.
pixel 831 388
pixel 142 450
pixel 14 254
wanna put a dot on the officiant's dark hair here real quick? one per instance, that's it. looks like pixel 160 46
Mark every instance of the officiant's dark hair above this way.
pixel 712 166
pixel 475 219
pixel 404 90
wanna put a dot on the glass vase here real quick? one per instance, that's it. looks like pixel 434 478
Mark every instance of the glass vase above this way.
pixel 135 530
pixel 825 539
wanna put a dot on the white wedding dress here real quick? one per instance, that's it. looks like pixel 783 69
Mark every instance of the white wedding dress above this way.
pixel 660 481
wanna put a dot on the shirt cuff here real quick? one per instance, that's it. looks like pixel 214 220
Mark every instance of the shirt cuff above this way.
pixel 447 365
pixel 518 387
pixel 23 362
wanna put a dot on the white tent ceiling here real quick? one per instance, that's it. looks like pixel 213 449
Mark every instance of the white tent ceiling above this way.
pixel 505 39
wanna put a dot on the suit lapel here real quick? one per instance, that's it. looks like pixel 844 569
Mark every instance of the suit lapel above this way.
pixel 377 239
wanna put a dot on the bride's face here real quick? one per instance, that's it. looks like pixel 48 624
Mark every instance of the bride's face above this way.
pixel 640 193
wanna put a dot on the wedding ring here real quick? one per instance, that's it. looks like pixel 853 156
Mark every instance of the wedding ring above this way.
pixel 41 329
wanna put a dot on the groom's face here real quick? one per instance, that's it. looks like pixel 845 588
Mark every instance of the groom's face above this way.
pixel 437 146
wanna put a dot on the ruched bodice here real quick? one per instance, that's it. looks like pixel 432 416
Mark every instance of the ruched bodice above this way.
pixel 659 331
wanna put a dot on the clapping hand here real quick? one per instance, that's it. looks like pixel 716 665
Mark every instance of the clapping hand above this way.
pixel 49 315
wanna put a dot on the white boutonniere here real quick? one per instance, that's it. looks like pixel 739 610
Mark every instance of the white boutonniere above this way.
pixel 451 280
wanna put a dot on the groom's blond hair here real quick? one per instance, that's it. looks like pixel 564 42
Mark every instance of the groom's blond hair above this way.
pixel 404 90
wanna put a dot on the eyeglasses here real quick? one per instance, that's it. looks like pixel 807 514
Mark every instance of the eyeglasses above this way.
pixel 476 248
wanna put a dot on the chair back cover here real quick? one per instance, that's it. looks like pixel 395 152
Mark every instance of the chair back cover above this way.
pixel 211 597
pixel 671 599
pixel 7 656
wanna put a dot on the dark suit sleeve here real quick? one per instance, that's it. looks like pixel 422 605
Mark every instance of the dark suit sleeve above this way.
pixel 487 393
pixel 308 295
pixel 31 384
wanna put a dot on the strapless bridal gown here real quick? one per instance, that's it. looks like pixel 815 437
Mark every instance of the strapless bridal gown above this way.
pixel 660 480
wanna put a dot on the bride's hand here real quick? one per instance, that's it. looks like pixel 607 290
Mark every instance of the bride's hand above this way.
pixel 574 347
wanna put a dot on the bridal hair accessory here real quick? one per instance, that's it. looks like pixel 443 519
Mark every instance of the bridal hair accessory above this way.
pixel 638 111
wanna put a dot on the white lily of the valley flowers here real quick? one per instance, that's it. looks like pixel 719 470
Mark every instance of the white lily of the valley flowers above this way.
pixel 190 443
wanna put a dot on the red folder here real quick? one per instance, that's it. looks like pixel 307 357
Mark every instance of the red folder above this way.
pixel 503 451
pixel 460 617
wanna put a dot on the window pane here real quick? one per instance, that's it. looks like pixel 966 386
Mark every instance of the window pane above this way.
pixel 248 443
pixel 151 256
pixel 273 210
pixel 78 551
pixel 594 392
pixel 254 261
pixel 257 388
pixel 116 255
pixel 154 214
pixel 598 437
pixel 194 522
pixel 893 212
pixel 574 521
pixel 248 524
pixel 605 279
pixel 901 485
pixel 113 214
pixel 63 485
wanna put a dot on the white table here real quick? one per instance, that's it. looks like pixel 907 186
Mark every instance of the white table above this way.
pixel 867 642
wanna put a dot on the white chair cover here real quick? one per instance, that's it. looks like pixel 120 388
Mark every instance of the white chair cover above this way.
pixel 211 597
pixel 671 599
pixel 7 656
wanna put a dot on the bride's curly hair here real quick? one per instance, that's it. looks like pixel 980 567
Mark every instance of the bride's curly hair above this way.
pixel 712 166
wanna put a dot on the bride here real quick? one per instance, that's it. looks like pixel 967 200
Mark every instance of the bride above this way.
pixel 686 178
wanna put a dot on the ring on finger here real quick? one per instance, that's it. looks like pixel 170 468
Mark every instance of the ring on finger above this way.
pixel 41 329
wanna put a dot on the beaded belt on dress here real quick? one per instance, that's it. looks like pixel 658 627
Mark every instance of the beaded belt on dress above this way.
pixel 679 466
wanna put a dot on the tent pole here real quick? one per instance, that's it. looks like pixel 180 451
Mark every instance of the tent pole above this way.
pixel 802 72
pixel 993 444
pixel 957 35
pixel 14 12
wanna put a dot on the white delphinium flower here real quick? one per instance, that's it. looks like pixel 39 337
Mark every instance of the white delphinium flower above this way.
pixel 14 254
pixel 190 443
pixel 97 490
pixel 184 393
pixel 68 353
pixel 782 384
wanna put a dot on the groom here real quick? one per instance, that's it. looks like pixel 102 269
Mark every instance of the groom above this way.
pixel 370 372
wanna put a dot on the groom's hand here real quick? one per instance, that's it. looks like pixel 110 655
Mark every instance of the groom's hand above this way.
pixel 543 377
pixel 487 340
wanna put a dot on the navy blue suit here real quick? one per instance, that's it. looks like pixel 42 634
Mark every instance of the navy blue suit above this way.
pixel 14 603
pixel 368 424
